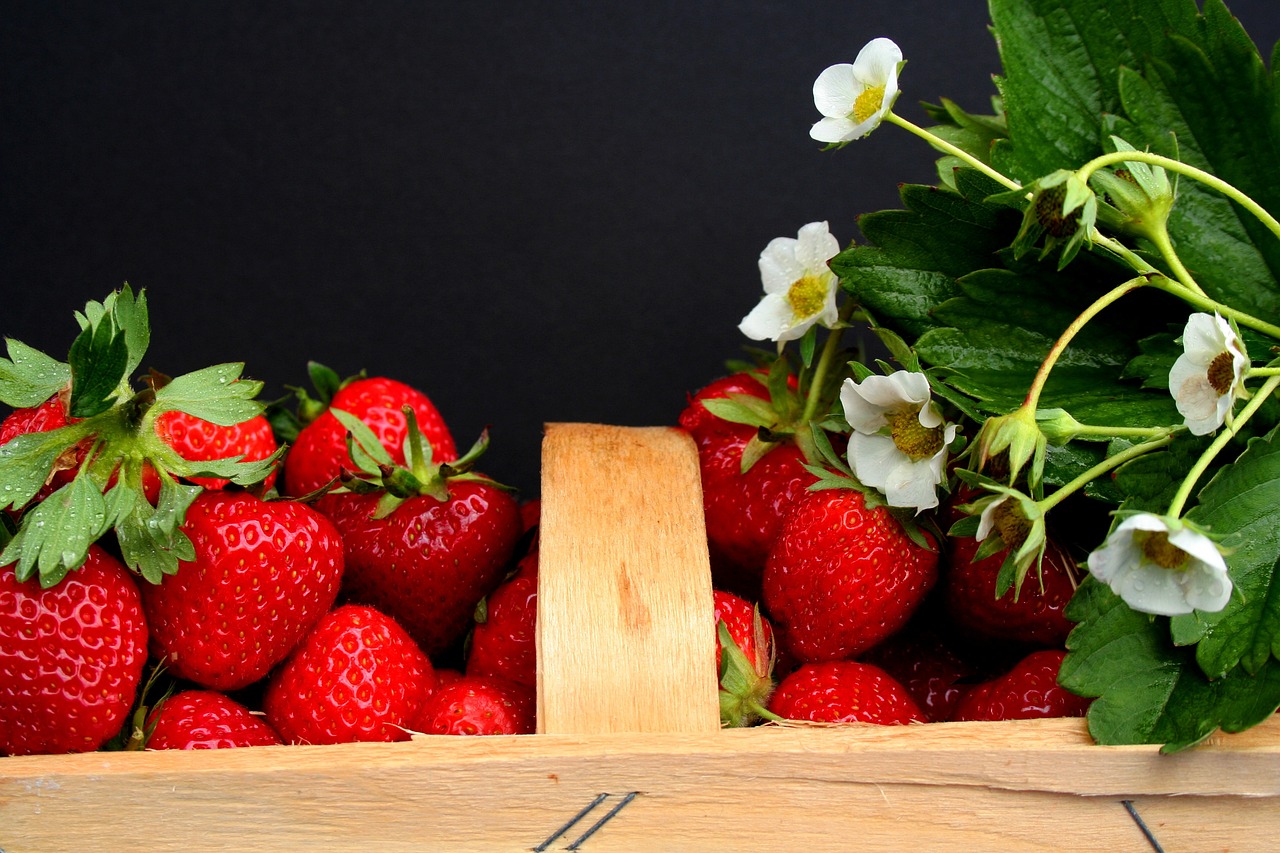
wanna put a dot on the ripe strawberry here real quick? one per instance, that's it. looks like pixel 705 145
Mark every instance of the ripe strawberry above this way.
pixel 502 641
pixel 206 719
pixel 1028 691
pixel 320 450
pixel 430 561
pixel 263 573
pixel 198 440
pixel 744 659
pixel 928 665
pixel 744 511
pixel 479 705
pixel 357 676
pixel 844 692
pixel 71 657
pixel 842 577
pixel 1034 616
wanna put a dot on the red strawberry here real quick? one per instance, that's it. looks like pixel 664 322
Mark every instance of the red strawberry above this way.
pixel 1035 615
pixel 1029 691
pixel 744 512
pixel 844 692
pixel 320 450
pixel 479 705
pixel 928 666
pixel 71 657
pixel 206 719
pixel 744 659
pixel 502 641
pixel 264 572
pixel 843 577
pixel 198 440
pixel 429 562
pixel 356 677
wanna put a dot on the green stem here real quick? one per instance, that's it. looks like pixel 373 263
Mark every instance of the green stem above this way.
pixel 1205 303
pixel 829 349
pixel 1181 168
pixel 1042 375
pixel 1222 440
pixel 943 145
pixel 1160 237
pixel 1120 432
pixel 1111 462
pixel 1255 372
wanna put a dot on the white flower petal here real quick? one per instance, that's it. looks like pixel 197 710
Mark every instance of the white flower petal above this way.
pixel 864 416
pixel 779 267
pixel 1205 337
pixel 768 320
pixel 987 520
pixel 873 458
pixel 877 62
pixel 835 129
pixel 1149 588
pixel 815 245
pixel 835 90
pixel 912 484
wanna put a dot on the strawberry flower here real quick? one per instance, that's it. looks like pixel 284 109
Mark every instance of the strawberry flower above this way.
pixel 855 98
pixel 1163 566
pixel 1209 375
pixel 799 287
pixel 899 441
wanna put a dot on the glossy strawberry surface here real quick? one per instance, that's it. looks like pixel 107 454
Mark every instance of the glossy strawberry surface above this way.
pixel 1028 691
pixel 357 676
pixel 320 450
pixel 198 440
pixel 842 577
pixel 429 562
pixel 264 572
pixel 739 616
pixel 206 719
pixel 1033 615
pixel 71 657
pixel 844 692
pixel 503 640
pixel 744 511
pixel 479 705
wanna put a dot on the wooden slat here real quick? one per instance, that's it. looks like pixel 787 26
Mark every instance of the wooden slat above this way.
pixel 626 639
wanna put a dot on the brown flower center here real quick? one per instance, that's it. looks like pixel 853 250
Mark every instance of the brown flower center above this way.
pixel 1156 547
pixel 1222 373
pixel 1010 522
pixel 912 437
pixel 1049 212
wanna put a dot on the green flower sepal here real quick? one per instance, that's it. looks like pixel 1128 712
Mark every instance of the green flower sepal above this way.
pixel 1059 213
pixel 1137 197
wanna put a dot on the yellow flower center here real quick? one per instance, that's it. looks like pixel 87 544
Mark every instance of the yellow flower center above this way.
pixel 807 295
pixel 913 438
pixel 1156 547
pixel 867 103
pixel 1222 373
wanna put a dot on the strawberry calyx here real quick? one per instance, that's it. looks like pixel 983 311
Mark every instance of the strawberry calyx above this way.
pixel 745 684
pixel 325 382
pixel 419 476
pixel 110 440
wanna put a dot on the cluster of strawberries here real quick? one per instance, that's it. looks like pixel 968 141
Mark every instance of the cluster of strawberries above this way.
pixel 313 607
pixel 832 612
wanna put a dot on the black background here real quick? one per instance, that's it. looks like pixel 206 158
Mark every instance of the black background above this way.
pixel 541 211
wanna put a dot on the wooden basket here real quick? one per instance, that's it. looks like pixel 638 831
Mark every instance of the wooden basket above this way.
pixel 630 756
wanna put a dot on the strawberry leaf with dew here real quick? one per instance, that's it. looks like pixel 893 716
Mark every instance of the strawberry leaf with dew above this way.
pixel 28 377
pixel 27 462
pixel 151 539
pixel 1240 506
pixel 56 534
pixel 1147 689
pixel 99 357
pixel 131 316
pixel 216 394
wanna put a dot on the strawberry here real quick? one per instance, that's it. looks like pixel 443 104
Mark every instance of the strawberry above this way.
pixel 928 665
pixel 319 452
pixel 1033 614
pixel 206 719
pixel 357 676
pixel 263 572
pixel 198 440
pixel 71 657
pixel 424 543
pixel 744 659
pixel 744 510
pixel 502 641
pixel 479 705
pixel 842 577
pixel 1028 691
pixel 844 692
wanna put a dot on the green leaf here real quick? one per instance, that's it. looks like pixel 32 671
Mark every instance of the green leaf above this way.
pixel 152 542
pixel 216 394
pixel 1241 507
pixel 364 439
pixel 99 360
pixel 28 377
pixel 742 409
pixel 54 536
pixel 1149 690
pixel 26 462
